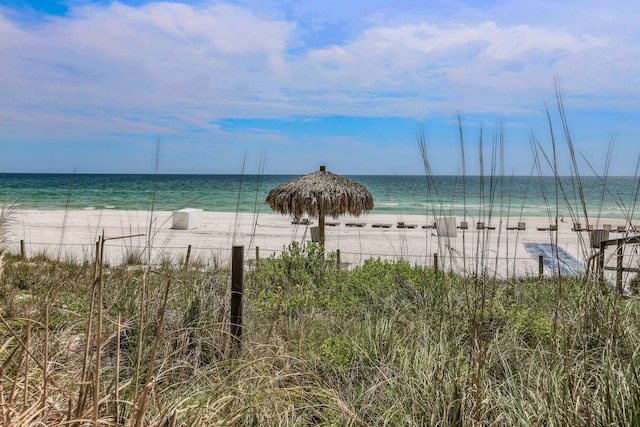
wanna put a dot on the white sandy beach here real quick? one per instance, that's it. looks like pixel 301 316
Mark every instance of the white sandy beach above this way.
pixel 501 250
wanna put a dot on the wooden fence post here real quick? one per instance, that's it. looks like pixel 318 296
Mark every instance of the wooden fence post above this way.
pixel 540 266
pixel 435 262
pixel 601 261
pixel 22 250
pixel 237 289
pixel 186 258
pixel 338 258
pixel 619 267
pixel 257 254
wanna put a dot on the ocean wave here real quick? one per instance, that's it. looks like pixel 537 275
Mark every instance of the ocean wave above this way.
pixel 230 193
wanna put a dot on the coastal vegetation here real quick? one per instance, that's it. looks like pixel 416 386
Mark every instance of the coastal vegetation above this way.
pixel 385 343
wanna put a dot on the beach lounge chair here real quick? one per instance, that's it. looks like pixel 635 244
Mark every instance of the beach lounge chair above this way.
pixel 427 226
pixel 380 225
pixel 520 226
pixel 480 226
pixel 303 221
pixel 403 225
pixel 577 227
pixel 464 225
pixel 332 224
pixel 551 227
pixel 355 224
pixel 621 229
pixel 606 227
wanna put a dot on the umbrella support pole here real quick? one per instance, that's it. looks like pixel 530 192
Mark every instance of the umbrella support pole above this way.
pixel 237 289
pixel 321 228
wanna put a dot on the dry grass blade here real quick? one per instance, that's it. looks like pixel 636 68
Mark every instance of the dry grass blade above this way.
pixel 142 400
pixel 84 385
pixel 24 347
pixel 7 217
pixel 3 403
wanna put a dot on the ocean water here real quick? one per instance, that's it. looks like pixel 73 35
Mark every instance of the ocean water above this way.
pixel 480 197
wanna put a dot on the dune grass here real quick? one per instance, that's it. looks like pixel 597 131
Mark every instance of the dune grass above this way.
pixel 383 343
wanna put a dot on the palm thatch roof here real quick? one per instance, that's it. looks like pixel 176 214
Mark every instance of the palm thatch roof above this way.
pixel 320 193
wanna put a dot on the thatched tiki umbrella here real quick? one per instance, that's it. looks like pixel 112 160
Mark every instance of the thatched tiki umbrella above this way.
pixel 318 194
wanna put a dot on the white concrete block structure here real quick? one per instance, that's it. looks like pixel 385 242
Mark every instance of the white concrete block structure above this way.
pixel 186 219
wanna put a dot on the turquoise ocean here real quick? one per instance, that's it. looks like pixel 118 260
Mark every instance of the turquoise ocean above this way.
pixel 613 197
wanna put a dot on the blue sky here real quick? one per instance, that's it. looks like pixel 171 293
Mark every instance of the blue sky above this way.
pixel 285 86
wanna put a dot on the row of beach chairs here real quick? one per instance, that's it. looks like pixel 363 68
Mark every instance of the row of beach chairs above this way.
pixel 306 221
pixel 464 225
pixel 606 227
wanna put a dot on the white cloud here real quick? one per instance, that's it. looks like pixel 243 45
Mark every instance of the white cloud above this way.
pixel 175 65
pixel 140 63
pixel 173 31
pixel 416 53
pixel 10 34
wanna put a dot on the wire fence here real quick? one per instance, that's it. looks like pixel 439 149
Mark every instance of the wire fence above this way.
pixel 617 266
